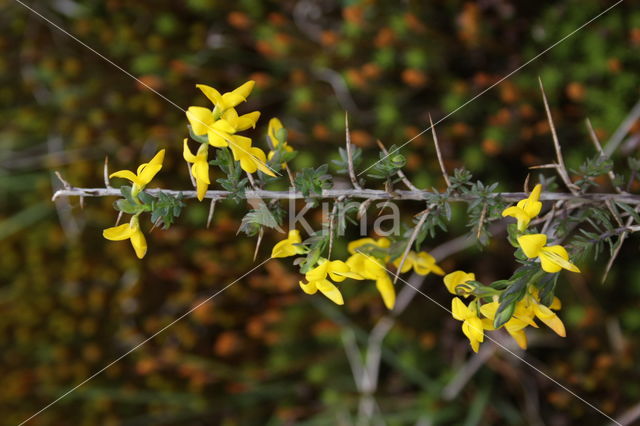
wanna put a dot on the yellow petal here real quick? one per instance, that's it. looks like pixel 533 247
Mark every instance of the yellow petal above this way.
pixel 212 94
pixel 554 258
pixel 551 320
pixel 283 248
pixel 520 337
pixel 319 272
pixel 201 188
pixel 532 244
pixel 408 263
pixel 148 173
pixel 309 288
pixel 200 171
pixel 455 278
pixel 247 121
pixel 238 95
pixel 425 263
pixel 118 233
pixel 260 159
pixel 459 310
pixel 126 174
pixel 186 152
pixel 387 291
pixel 218 139
pixel 472 328
pixel 520 215
pixel 201 119
pixel 294 236
pixel 339 271
pixel 327 288
pixel 489 310
pixel 158 158
pixel 274 125
pixel 556 304
pixel 139 243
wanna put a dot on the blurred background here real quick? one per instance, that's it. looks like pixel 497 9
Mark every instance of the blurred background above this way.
pixel 263 352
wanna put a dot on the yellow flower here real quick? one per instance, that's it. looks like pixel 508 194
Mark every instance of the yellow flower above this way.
pixel 143 175
pixel 228 100
pixel 382 243
pixel 273 132
pixel 337 270
pixel 456 278
pixel 129 231
pixel 251 158
pixel 526 209
pixel 200 167
pixel 370 268
pixel 219 131
pixel 545 314
pixel 423 263
pixel 516 325
pixel 472 325
pixel 290 246
pixel 552 258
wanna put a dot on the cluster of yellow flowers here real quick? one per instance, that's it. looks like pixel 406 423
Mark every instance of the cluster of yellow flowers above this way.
pixel 478 316
pixel 140 179
pixel 218 127
pixel 359 266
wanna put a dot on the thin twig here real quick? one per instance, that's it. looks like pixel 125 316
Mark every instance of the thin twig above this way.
pixel 618 136
pixel 212 208
pixel 481 221
pixel 439 154
pixel 400 173
pixel 65 184
pixel 598 146
pixel 193 180
pixel 258 242
pixel 352 173
pixel 332 217
pixel 410 241
pixel 106 172
pixel 562 169
pixel 373 194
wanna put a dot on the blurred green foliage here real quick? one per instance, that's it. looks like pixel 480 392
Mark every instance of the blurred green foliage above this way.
pixel 263 352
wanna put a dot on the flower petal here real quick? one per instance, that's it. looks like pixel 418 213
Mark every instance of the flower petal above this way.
pixel 118 233
pixel 455 278
pixel 532 244
pixel 459 310
pixel 247 121
pixel 139 243
pixel 186 152
pixel 212 94
pixel 200 119
pixel 387 291
pixel 554 258
pixel 309 288
pixel 126 174
pixel 329 289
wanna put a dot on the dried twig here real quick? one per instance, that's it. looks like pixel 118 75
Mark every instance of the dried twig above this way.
pixel 106 172
pixel 618 136
pixel 598 146
pixel 437 145
pixel 352 173
pixel 258 242
pixel 561 168
pixel 193 180
pixel 212 208
pixel 373 194
pixel 410 241
pixel 332 218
